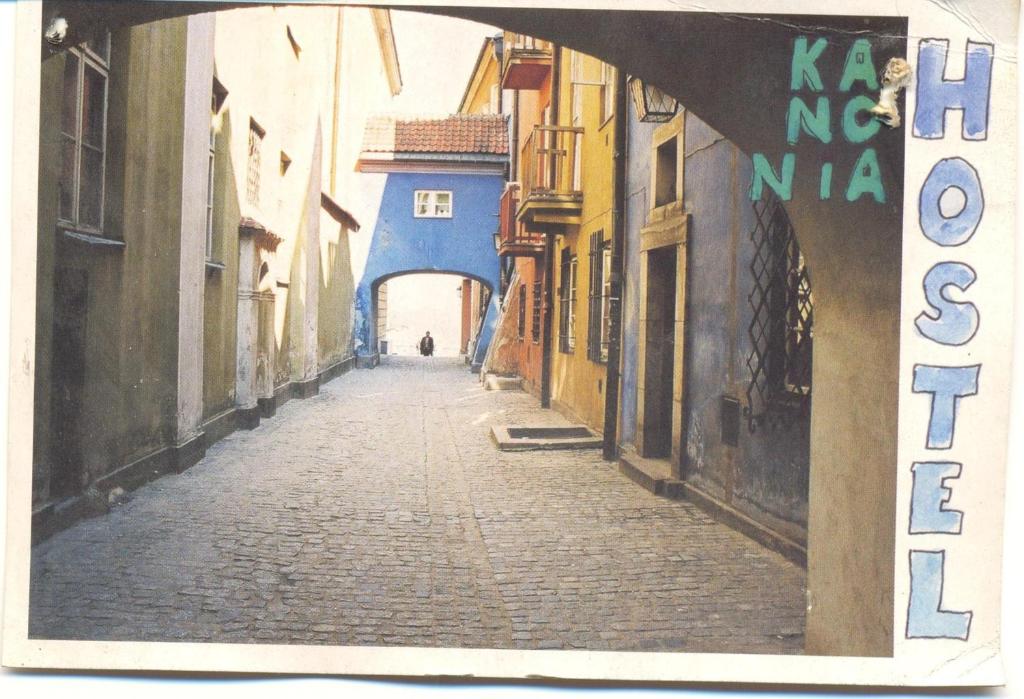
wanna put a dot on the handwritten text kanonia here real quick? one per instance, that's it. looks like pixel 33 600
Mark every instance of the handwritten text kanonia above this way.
pixel 950 208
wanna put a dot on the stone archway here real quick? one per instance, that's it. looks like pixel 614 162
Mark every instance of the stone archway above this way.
pixel 743 90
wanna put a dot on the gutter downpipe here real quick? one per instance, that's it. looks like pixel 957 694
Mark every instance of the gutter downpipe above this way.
pixel 549 246
pixel 611 406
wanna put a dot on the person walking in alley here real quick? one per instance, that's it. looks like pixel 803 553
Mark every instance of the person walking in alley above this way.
pixel 427 345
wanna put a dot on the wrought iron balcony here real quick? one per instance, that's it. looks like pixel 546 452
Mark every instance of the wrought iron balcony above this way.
pixel 515 240
pixel 526 62
pixel 549 169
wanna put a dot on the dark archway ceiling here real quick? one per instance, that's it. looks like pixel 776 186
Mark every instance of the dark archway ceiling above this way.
pixel 731 70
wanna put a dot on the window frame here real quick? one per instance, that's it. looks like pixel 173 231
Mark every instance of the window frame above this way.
pixel 599 316
pixel 432 203
pixel 607 93
pixel 88 58
pixel 576 87
pixel 211 169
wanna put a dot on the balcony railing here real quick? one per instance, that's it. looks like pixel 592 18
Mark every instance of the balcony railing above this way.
pixel 550 165
pixel 526 62
pixel 516 241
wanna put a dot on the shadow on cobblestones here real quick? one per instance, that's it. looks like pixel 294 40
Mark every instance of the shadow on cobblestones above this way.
pixel 379 513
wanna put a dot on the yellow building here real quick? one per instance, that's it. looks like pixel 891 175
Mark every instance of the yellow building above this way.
pixel 582 257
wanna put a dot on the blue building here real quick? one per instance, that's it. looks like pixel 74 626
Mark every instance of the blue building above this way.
pixel 438 211
pixel 717 330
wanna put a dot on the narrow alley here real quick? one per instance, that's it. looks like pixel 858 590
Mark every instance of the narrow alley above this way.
pixel 380 513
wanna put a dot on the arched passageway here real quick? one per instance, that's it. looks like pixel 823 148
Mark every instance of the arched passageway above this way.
pixel 370 298
pixel 743 90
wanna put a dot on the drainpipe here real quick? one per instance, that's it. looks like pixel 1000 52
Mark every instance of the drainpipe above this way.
pixel 549 247
pixel 545 363
pixel 611 402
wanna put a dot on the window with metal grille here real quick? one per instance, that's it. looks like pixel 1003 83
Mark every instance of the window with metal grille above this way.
pixel 535 311
pixel 567 303
pixel 84 135
pixel 781 329
pixel 252 180
pixel 599 320
pixel 522 311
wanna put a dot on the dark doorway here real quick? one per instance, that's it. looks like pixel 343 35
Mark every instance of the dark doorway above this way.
pixel 660 352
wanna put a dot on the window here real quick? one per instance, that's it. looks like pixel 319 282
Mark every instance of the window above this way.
pixel 522 311
pixel 535 316
pixel 666 175
pixel 433 204
pixel 599 322
pixel 576 76
pixel 781 330
pixel 252 180
pixel 567 303
pixel 84 135
pixel 607 92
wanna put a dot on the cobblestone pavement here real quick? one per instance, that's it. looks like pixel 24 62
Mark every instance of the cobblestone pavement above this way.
pixel 380 513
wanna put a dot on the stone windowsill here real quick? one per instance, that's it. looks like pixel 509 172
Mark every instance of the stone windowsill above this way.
pixel 94 240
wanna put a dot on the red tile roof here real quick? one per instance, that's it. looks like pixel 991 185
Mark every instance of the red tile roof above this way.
pixel 458 133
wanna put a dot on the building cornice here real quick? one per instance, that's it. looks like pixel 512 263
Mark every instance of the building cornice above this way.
pixel 423 163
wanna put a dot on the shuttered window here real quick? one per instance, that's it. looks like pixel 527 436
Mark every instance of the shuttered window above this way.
pixel 567 303
pixel 522 311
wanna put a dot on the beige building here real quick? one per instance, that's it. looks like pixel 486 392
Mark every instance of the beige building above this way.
pixel 198 201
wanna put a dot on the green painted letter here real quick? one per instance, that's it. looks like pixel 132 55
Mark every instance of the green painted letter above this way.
pixel 825 189
pixel 804 69
pixel 815 123
pixel 866 178
pixel 855 132
pixel 859 66
pixel 764 172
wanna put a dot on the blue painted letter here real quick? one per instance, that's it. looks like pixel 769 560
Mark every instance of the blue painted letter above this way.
pixel 957 229
pixel 954 322
pixel 935 94
pixel 929 496
pixel 925 616
pixel 947 385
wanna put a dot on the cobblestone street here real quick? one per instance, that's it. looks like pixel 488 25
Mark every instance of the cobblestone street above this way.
pixel 380 513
